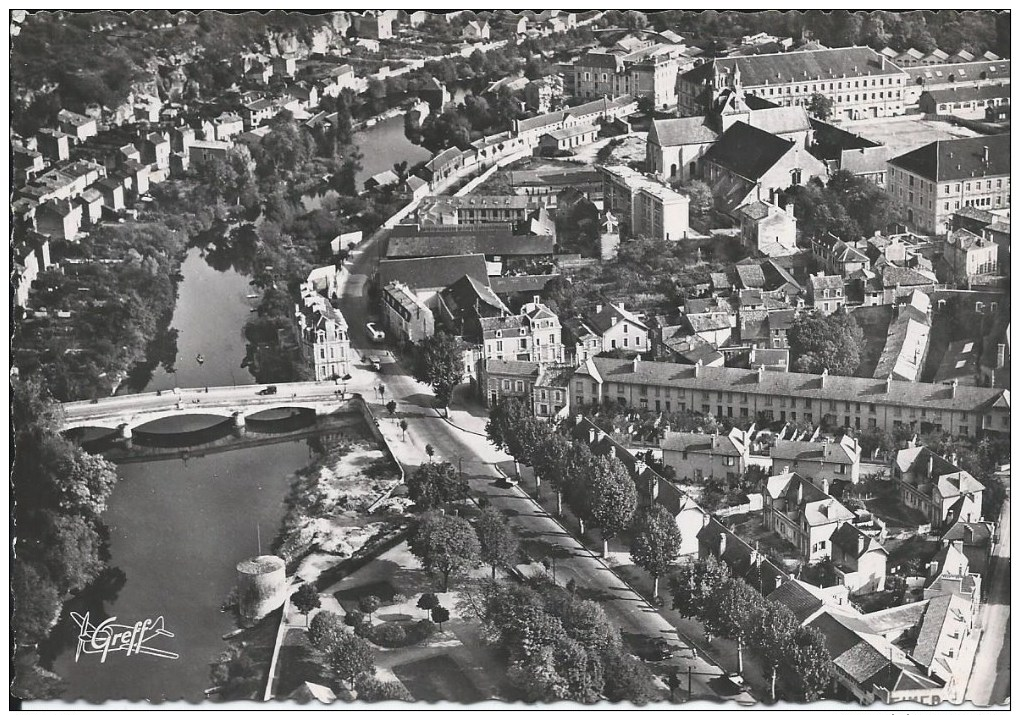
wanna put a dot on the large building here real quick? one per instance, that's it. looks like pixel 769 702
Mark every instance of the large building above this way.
pixel 803 514
pixel 405 314
pixel 860 82
pixel 962 74
pixel 932 182
pixel 939 489
pixel 767 396
pixel 647 72
pixel 534 335
pixel 323 336
pixel 643 205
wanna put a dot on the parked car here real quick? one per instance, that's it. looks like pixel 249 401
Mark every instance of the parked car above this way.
pixel 660 649
pixel 374 364
pixel 268 390
pixel 374 333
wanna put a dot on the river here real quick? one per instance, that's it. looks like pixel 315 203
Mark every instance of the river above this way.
pixel 177 530
pixel 210 313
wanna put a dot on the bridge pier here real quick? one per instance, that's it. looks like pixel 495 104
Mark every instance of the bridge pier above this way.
pixel 239 423
pixel 125 434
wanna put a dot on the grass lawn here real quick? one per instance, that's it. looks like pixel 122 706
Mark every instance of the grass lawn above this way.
pixel 437 678
pixel 297 665
pixel 349 598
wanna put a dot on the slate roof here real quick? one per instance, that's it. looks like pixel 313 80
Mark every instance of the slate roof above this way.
pixel 487 244
pixel 815 506
pixel 468 289
pixel 837 387
pixel 958 159
pixel 743 561
pixel 755 210
pixel 799 66
pixel 961 71
pixel 751 276
pixel 946 477
pixel 699 442
pixel 571 132
pixel 602 320
pixel 747 151
pixel 681 132
pixel 855 542
pixel 801 598
pixel 520 284
pixel 968 94
pixel 433 272
pixel 827 453
pixel 780 120
pixel 512 368
pixel 978 533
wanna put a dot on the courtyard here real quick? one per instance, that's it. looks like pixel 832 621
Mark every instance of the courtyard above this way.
pixel 904 134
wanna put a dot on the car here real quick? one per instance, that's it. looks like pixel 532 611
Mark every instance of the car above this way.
pixel 268 390
pixel 374 364
pixel 659 649
pixel 374 334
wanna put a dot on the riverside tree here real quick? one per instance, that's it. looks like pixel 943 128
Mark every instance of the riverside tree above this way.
pixel 439 363
pixel 656 545
pixel 306 599
pixel 445 545
pixel 612 498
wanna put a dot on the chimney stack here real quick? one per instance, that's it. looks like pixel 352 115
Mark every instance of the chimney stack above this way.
pixel 952 387
pixel 591 436
pixel 697 369
pixel 1000 356
pixel 860 542
pixel 825 486
pixel 761 372
pixel 637 359
pixel 888 384
pixel 984 154
pixel 825 373
pixel 715 441
pixel 800 492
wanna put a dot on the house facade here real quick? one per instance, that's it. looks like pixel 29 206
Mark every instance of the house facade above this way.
pixel 701 457
pixel 803 514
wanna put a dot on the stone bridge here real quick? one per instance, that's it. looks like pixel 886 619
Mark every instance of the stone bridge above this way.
pixel 127 412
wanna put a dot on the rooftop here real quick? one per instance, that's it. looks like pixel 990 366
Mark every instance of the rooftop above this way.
pixel 955 159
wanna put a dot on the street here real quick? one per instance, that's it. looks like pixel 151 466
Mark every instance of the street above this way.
pixel 989 680
pixel 461 441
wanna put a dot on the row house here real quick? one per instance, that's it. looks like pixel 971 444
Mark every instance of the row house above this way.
pixel 931 183
pixel 534 335
pixel 889 284
pixel 618 328
pixel 826 293
pixel 935 486
pixel 54 144
pixel 700 457
pixel 544 388
pixel 837 256
pixel 766 396
pixel 530 130
pixel 408 318
pixel 821 463
pixel 803 514
pixel 475 209
pixel 59 218
pixel 965 102
pixel 860 82
pixel 767 229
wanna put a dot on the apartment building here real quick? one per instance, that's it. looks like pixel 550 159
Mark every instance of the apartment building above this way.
pixel 972 259
pixel 475 209
pixel 322 335
pixel 766 396
pixel 860 82
pixel 931 183
pixel 534 335
pixel 405 314
pixel 643 205
pixel 646 72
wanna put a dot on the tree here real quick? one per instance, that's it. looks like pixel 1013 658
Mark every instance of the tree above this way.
pixel 430 451
pixel 354 619
pixel 809 664
pixel 497 540
pixel 350 656
pixel 585 621
pixel 440 364
pixel 701 201
pixel 428 601
pixel 85 483
pixel 770 634
pixel 403 430
pixel 627 678
pixel 445 545
pixel 306 599
pixel 646 105
pixel 820 106
pixel 559 670
pixel 826 342
pixel 513 428
pixel 730 613
pixel 612 498
pixel 373 690
pixel 656 545
pixel 72 552
pixel 434 485
pixel 36 604
pixel 369 605
pixel 694 585
pixel 391 407
pixel 549 460
pixel 440 615
pixel 325 630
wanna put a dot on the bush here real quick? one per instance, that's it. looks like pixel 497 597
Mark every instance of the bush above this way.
pixel 389 635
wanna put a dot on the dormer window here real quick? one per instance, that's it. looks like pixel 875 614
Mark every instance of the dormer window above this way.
pixel 499 333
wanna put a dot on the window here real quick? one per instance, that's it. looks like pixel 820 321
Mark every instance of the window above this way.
pixel 520 386
pixel 506 384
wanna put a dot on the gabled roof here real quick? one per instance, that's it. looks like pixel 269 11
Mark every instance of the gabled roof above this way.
pixel 803 599
pixel 681 132
pixel 958 159
pixel 512 368
pixel 977 533
pixel 825 453
pixel 747 151
pixel 798 66
pixel 731 444
pixel 601 321
pixel 751 276
pixel 812 503
pixel 855 542
pixel 433 272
